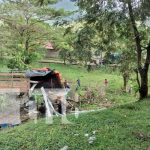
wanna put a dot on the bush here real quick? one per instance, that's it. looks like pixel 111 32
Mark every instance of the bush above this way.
pixel 22 61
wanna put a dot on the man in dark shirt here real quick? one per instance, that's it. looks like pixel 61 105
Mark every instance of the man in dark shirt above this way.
pixel 42 109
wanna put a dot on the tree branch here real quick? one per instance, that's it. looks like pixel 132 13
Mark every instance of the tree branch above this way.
pixel 136 34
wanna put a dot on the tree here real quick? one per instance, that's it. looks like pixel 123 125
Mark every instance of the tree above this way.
pixel 83 44
pixel 63 42
pixel 142 68
pixel 111 15
pixel 28 31
pixel 125 45
pixel 127 66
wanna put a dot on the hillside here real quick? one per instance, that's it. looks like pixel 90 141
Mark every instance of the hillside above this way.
pixel 123 128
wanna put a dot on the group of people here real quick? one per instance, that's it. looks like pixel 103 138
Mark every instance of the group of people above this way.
pixel 67 86
pixel 78 84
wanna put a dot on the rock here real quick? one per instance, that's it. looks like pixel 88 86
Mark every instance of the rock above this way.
pixel 64 148
pixel 94 132
pixel 86 135
pixel 141 136
pixel 91 139
pixel 76 134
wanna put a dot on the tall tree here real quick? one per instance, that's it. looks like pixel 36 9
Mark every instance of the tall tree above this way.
pixel 25 21
pixel 142 67
pixel 111 15
pixel 83 44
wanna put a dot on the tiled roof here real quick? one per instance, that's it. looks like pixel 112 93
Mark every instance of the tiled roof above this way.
pixel 49 46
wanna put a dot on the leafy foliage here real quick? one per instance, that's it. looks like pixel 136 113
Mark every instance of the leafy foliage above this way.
pixel 27 31
pixel 125 20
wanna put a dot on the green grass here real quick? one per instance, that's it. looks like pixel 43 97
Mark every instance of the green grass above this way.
pixel 3 66
pixel 116 128
pixel 124 128
pixel 95 79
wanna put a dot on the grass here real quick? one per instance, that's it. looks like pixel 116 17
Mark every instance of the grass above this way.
pixel 91 79
pixel 3 66
pixel 122 128
pixel 95 79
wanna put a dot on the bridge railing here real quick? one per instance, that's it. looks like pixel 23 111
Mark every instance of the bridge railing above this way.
pixel 14 80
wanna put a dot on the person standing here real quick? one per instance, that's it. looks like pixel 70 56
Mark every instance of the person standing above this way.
pixel 66 85
pixel 106 82
pixel 42 110
pixel 78 84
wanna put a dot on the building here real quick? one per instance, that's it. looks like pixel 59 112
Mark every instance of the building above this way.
pixel 51 52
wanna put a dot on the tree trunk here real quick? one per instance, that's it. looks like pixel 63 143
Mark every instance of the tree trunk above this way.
pixel 144 76
pixel 144 86
pixel 125 81
pixel 64 61
pixel 143 70
pixel 27 45
pixel 101 57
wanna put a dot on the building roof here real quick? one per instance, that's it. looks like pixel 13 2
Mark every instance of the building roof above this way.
pixel 49 45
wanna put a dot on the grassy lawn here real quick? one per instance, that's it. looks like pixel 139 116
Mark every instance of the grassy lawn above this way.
pixel 123 128
pixel 95 79
pixel 120 128
pixel 3 66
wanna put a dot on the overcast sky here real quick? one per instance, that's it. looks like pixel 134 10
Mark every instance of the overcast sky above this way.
pixel 66 4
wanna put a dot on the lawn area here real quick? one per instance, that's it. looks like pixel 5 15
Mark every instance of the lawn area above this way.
pixel 3 66
pixel 95 79
pixel 72 73
pixel 122 128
